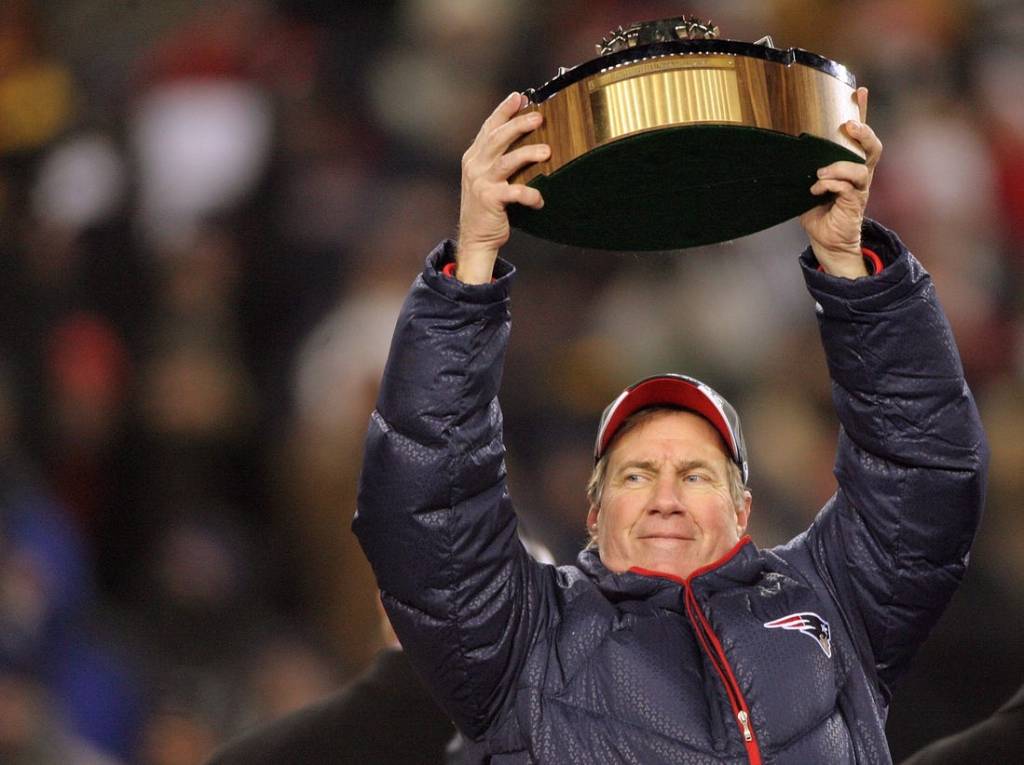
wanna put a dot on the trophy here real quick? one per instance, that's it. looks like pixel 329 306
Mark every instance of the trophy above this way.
pixel 673 138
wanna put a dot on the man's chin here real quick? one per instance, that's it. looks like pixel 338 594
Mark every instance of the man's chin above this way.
pixel 669 556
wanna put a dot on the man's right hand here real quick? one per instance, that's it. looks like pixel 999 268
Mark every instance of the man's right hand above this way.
pixel 486 167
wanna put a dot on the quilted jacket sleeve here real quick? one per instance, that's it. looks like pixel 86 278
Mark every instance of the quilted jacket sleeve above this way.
pixel 912 455
pixel 434 515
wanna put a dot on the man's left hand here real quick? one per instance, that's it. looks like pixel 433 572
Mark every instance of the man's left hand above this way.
pixel 834 225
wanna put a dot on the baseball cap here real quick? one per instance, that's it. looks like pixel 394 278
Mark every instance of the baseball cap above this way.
pixel 679 391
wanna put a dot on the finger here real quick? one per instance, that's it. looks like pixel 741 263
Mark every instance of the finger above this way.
pixel 503 136
pixel 842 189
pixel 862 103
pixel 508 164
pixel 862 133
pixel 502 113
pixel 489 146
pixel 524 195
pixel 854 172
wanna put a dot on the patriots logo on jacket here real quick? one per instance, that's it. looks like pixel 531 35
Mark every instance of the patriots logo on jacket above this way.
pixel 809 624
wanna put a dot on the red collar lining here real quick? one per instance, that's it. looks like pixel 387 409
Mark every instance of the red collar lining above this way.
pixel 696 572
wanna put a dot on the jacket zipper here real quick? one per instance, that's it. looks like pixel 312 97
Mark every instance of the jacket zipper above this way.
pixel 713 648
pixel 743 718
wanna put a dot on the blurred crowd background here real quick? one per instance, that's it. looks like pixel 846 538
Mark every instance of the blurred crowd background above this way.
pixel 209 215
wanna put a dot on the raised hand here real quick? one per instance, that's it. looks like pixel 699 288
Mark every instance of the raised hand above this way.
pixel 834 226
pixel 486 167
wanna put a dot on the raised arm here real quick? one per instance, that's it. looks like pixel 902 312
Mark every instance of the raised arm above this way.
pixel 434 515
pixel 912 454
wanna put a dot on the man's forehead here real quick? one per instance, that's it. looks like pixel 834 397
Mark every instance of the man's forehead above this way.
pixel 668 428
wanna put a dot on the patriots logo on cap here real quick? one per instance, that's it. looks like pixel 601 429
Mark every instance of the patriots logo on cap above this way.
pixel 809 624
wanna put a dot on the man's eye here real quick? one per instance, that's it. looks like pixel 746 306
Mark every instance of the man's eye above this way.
pixel 632 478
pixel 695 478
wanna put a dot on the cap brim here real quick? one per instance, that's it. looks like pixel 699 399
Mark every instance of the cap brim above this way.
pixel 664 390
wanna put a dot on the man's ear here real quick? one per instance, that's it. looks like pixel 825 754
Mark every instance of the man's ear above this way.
pixel 743 513
pixel 592 518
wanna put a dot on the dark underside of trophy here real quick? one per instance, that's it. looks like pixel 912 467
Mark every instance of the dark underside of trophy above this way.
pixel 679 187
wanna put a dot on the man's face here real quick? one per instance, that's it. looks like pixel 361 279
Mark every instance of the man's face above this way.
pixel 666 504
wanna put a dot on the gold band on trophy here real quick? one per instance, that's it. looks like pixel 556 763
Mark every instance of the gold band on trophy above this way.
pixel 690 89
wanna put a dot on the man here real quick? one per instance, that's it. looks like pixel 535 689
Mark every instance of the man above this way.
pixel 354 726
pixel 673 639
pixel 997 738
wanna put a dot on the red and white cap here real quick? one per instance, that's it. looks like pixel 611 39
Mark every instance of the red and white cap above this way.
pixel 674 390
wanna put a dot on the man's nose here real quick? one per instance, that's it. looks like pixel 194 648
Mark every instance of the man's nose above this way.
pixel 666 498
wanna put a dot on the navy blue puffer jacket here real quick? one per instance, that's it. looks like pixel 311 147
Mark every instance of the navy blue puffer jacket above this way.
pixel 777 656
